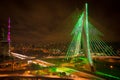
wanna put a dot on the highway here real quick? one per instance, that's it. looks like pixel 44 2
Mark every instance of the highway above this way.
pixel 77 75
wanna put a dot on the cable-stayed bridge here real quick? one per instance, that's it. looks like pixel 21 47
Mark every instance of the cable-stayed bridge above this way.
pixel 87 41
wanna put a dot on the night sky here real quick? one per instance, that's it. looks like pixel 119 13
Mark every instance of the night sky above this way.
pixel 53 20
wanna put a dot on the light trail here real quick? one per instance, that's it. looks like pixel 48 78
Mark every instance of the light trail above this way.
pixel 21 56
pixel 35 61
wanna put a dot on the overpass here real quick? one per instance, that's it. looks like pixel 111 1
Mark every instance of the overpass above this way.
pixel 31 59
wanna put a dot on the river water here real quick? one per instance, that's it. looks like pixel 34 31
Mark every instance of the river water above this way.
pixel 108 66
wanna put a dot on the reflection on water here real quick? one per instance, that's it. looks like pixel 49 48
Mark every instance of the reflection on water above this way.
pixel 108 66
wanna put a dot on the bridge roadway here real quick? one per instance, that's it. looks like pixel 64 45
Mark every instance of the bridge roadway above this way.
pixel 106 57
pixel 100 57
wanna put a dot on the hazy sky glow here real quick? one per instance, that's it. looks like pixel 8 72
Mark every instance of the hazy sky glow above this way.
pixel 53 20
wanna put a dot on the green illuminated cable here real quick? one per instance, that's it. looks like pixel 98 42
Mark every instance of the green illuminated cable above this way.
pixel 92 47
pixel 78 44
pixel 92 44
pixel 100 42
pixel 78 24
pixel 96 46
pixel 109 52
pixel 102 46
